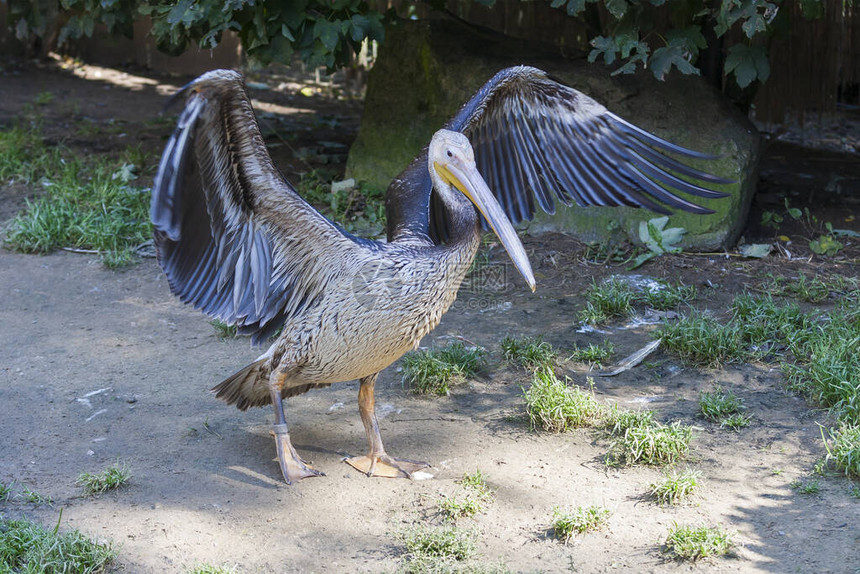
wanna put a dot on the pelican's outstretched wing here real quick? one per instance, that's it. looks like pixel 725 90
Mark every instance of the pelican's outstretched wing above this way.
pixel 537 140
pixel 231 234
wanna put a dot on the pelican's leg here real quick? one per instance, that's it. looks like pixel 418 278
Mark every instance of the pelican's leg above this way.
pixel 292 466
pixel 377 462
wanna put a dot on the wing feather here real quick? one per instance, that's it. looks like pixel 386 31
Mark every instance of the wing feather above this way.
pixel 231 234
pixel 535 137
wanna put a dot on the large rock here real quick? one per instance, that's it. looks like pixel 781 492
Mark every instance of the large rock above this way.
pixel 428 69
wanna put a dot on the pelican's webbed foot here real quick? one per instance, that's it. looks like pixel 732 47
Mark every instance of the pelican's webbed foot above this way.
pixel 385 466
pixel 292 466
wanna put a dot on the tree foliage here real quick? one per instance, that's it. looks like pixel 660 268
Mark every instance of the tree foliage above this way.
pixel 660 35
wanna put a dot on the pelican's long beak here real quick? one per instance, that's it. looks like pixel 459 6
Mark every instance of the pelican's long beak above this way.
pixel 468 180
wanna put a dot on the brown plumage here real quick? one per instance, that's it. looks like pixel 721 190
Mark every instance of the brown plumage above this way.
pixel 237 241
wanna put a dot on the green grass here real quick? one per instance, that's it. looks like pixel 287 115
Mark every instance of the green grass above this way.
pixel 675 487
pixel 29 547
pixel 85 204
pixel 433 372
pixel 477 495
pixel 667 296
pixel 223 330
pixel 808 487
pixel 697 542
pixel 718 405
pixel 6 491
pixel 619 420
pixel 843 450
pixel 582 519
pixel 608 300
pixel 477 483
pixel 655 444
pixel 702 340
pixel 528 352
pixel 360 208
pixel 595 355
pixel 736 421
pixel 556 406
pixel 210 569
pixel 114 476
pixel 448 541
pixel 37 498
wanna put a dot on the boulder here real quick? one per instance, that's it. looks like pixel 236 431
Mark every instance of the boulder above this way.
pixel 427 69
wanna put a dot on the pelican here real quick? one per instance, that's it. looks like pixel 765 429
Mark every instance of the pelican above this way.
pixel 236 240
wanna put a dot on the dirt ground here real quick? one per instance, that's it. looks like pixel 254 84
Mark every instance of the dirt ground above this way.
pixel 98 366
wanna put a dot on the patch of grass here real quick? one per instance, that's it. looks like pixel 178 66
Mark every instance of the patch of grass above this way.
pixel 855 491
pixel 114 476
pixel 6 491
pixel 608 300
pixel 223 330
pixel 719 404
pixel 86 203
pixel 477 482
pixel 440 542
pixel 654 444
pixel 697 542
pixel 432 372
pixel 528 352
pixel 354 208
pixel 593 354
pixel 582 519
pixel 29 547
pixel 667 296
pixel 557 406
pixel 827 367
pixel 809 487
pixel 34 497
pixel 702 340
pixel 736 421
pixel 675 486
pixel 455 507
pixel 210 569
pixel 843 449
pixel 619 420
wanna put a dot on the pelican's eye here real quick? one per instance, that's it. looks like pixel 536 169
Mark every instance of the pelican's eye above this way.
pixel 450 153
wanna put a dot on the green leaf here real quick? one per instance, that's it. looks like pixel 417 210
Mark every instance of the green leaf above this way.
pixel 825 245
pixel 603 45
pixel 690 37
pixel 617 8
pixel 749 63
pixel 664 58
pixel 754 25
pixel 327 33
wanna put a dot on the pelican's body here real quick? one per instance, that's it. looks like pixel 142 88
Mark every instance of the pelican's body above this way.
pixel 238 242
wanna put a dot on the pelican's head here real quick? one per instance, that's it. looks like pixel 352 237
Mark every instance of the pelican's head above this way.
pixel 451 161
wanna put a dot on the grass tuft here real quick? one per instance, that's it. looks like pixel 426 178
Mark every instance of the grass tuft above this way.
pixel 654 444
pixel 86 204
pixel 594 355
pixel 675 486
pixel 619 420
pixel 36 498
pixel 440 542
pixel 210 569
pixel 223 330
pixel 809 487
pixel 29 547
pixel 6 491
pixel 566 524
pixel 556 406
pixel 843 449
pixel 432 372
pixel 702 340
pixel 114 476
pixel 719 404
pixel 697 542
pixel 528 352
pixel 608 300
